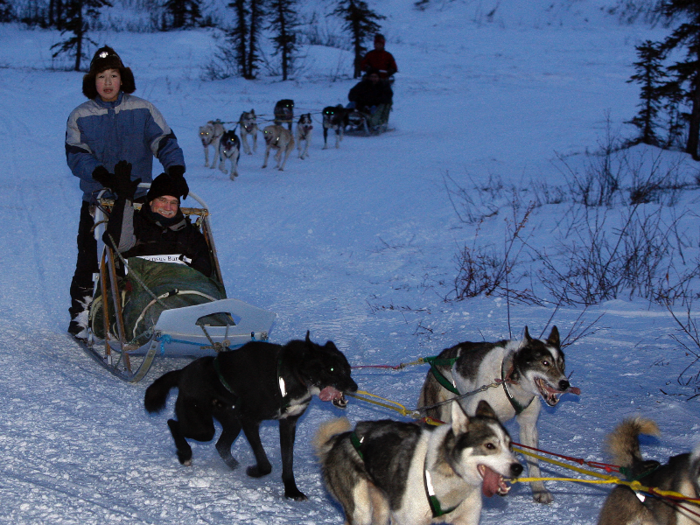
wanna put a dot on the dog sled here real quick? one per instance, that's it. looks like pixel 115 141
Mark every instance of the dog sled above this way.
pixel 376 123
pixel 156 308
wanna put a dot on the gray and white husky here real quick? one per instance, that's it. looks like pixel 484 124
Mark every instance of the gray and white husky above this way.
pixel 528 369
pixel 303 134
pixel 210 134
pixel 249 126
pixel 410 474
pixel 681 474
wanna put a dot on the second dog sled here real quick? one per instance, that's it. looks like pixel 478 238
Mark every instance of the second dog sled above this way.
pixel 134 318
pixel 369 124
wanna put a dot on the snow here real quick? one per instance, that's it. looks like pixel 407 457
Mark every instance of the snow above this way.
pixel 356 245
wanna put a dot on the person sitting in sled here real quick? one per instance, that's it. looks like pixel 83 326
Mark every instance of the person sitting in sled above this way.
pixel 372 97
pixel 379 59
pixel 159 228
pixel 112 125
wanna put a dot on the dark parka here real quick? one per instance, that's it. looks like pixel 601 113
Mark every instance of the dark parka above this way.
pixel 366 94
pixel 142 233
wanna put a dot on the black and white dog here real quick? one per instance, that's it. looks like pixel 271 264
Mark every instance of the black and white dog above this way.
pixel 335 118
pixel 241 388
pixel 303 133
pixel 410 474
pixel 249 126
pixel 230 148
pixel 681 475
pixel 528 369
pixel 284 112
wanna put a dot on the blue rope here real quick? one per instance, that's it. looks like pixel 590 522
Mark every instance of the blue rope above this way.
pixel 165 338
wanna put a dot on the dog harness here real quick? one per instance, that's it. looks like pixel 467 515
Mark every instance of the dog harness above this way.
pixel 223 381
pixel 439 376
pixel 433 501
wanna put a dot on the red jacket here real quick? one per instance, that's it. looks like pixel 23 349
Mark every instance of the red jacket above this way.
pixel 382 61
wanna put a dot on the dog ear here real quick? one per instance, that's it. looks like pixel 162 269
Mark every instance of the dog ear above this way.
pixel 526 338
pixel 485 410
pixel 553 338
pixel 460 421
pixel 308 339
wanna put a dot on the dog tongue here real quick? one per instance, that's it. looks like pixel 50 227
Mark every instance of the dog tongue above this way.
pixel 491 482
pixel 329 394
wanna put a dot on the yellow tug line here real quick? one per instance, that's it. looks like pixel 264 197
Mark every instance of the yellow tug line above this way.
pixel 603 478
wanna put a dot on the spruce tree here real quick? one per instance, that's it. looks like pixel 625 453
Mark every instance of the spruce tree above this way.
pixel 650 75
pixel 183 13
pixel 360 22
pixel 238 36
pixel 257 12
pixel 283 22
pixel 5 11
pixel 687 72
pixel 77 16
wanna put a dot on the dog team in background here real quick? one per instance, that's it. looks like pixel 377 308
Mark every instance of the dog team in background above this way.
pixel 411 473
pixel 226 145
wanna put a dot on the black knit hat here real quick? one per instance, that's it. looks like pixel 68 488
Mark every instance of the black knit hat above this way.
pixel 165 184
pixel 107 58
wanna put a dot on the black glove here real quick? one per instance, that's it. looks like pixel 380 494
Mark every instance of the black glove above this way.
pixel 101 175
pixel 177 174
pixel 122 185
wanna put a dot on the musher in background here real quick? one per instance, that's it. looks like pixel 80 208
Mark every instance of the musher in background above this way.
pixel 112 125
pixel 379 59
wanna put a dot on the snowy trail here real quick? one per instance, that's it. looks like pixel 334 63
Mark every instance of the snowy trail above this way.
pixel 356 245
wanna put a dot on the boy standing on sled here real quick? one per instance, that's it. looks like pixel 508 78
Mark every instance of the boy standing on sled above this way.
pixel 112 125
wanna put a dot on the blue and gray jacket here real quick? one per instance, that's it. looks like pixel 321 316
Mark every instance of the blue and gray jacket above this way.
pixel 103 133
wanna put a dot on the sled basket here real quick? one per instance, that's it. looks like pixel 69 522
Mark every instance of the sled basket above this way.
pixel 164 309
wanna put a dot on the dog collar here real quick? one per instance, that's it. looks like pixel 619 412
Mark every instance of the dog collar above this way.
pixel 433 501
pixel 513 402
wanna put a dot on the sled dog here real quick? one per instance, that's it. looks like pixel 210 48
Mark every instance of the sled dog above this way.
pixel 681 474
pixel 409 474
pixel 276 137
pixel 284 112
pixel 241 388
pixel 304 127
pixel 210 135
pixel 528 369
pixel 335 118
pixel 249 126
pixel 230 148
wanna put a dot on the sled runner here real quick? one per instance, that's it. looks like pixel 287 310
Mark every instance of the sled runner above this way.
pixel 146 307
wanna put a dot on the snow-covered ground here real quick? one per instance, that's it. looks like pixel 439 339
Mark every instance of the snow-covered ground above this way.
pixel 356 245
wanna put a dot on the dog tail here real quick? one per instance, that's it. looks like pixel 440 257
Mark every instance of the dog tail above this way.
pixel 325 436
pixel 623 442
pixel 157 393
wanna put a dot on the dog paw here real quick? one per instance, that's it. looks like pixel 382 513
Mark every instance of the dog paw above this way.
pixel 185 457
pixel 295 494
pixel 257 472
pixel 542 496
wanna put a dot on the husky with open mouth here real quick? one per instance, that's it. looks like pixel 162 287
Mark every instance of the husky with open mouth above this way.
pixel 241 388
pixel 526 369
pixel 410 474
